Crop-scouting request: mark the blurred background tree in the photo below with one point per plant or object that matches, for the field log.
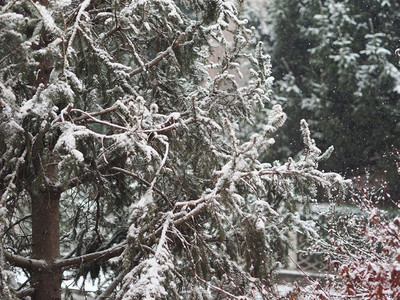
(334, 65)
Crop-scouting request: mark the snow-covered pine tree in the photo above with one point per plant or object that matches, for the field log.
(120, 152)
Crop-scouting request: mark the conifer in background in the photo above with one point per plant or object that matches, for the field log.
(334, 64)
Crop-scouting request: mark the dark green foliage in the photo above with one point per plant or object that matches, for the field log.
(334, 65)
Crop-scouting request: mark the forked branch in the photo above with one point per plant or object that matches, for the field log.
(160, 57)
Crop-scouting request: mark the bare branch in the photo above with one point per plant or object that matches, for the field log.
(102, 112)
(100, 121)
(218, 289)
(18, 221)
(23, 262)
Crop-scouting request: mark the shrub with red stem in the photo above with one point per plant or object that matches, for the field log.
(362, 249)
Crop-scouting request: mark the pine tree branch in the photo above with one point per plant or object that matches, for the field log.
(23, 262)
(90, 116)
(191, 214)
(107, 292)
(143, 181)
(105, 254)
(160, 57)
(102, 112)
(29, 263)
(91, 175)
(9, 55)
(26, 292)
(218, 289)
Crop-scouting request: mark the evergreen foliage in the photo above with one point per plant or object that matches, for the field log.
(334, 64)
(129, 114)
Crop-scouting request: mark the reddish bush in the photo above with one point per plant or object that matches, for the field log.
(362, 249)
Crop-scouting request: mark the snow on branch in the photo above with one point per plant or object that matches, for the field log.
(146, 280)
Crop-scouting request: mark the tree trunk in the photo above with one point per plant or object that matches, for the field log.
(46, 214)
(46, 244)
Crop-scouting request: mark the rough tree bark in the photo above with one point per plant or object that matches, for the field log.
(46, 244)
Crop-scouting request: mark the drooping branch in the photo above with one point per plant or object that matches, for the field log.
(83, 7)
(105, 254)
(141, 180)
(92, 174)
(106, 293)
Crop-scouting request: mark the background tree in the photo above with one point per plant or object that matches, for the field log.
(334, 64)
(117, 142)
